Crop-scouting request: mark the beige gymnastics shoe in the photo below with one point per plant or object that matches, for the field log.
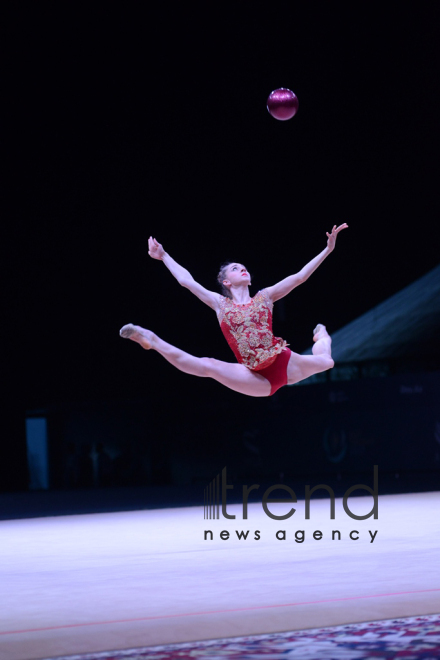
(137, 334)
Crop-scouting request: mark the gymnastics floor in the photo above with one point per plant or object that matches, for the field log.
(97, 582)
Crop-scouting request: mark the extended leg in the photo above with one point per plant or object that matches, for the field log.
(235, 376)
(304, 366)
(322, 341)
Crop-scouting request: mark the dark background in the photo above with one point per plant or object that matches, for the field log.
(124, 123)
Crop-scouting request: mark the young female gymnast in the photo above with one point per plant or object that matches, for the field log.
(265, 361)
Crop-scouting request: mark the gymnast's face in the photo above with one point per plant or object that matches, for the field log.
(236, 274)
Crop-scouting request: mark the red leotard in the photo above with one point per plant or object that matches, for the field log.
(248, 331)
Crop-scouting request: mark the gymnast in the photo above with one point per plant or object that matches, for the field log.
(265, 363)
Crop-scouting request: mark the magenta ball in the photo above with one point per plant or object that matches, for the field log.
(282, 104)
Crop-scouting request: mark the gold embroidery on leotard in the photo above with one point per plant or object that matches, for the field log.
(249, 328)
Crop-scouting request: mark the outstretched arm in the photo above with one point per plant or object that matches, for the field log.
(285, 286)
(184, 277)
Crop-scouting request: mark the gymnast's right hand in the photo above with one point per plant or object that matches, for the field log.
(155, 249)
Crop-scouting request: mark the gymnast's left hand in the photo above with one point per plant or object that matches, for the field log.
(331, 238)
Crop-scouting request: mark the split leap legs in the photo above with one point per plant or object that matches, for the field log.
(235, 376)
